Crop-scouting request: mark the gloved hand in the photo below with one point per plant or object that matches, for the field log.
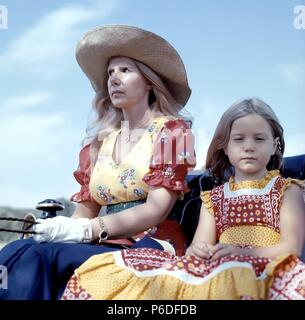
(63, 229)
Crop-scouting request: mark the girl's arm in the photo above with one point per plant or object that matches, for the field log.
(292, 226)
(139, 218)
(205, 235)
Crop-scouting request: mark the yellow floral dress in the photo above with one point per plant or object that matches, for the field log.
(161, 158)
(246, 214)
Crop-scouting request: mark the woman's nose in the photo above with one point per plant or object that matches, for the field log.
(114, 79)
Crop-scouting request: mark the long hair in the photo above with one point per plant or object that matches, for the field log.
(217, 161)
(108, 118)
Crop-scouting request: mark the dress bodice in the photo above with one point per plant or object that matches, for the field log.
(248, 212)
(161, 158)
(112, 183)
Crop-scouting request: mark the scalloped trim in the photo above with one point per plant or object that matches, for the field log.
(253, 184)
(288, 182)
(207, 201)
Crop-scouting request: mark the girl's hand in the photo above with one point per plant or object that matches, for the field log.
(221, 250)
(200, 250)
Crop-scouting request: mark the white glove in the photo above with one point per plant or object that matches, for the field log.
(63, 229)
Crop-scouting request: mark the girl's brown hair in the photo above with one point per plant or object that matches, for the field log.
(217, 161)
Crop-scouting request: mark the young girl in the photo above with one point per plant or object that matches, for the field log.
(250, 232)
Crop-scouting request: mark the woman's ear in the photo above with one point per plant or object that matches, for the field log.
(276, 144)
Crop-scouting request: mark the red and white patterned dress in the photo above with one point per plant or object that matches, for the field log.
(246, 213)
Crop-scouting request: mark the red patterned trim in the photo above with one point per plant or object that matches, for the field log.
(289, 280)
(74, 291)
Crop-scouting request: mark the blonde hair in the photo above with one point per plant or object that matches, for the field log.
(217, 161)
(108, 118)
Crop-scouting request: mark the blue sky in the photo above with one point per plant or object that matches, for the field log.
(231, 49)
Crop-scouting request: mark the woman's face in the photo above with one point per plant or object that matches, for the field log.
(127, 87)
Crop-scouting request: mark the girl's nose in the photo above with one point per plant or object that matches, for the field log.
(248, 147)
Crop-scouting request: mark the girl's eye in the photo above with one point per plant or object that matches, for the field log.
(110, 72)
(125, 69)
(260, 139)
(237, 139)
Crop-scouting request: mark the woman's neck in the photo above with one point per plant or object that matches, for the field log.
(140, 118)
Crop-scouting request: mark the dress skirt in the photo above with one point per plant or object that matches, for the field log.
(157, 275)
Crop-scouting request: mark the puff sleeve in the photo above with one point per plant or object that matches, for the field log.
(82, 176)
(173, 155)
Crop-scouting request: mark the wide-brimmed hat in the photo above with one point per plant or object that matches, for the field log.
(96, 47)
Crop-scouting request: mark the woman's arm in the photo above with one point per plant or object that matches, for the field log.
(86, 209)
(139, 218)
(292, 226)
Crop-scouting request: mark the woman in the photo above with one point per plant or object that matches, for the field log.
(137, 170)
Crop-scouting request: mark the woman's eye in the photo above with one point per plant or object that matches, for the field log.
(260, 139)
(237, 139)
(110, 72)
(125, 69)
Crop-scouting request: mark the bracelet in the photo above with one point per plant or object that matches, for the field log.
(103, 234)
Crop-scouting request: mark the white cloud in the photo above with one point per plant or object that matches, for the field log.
(206, 115)
(31, 133)
(17, 196)
(19, 103)
(52, 37)
(293, 73)
(35, 153)
(294, 144)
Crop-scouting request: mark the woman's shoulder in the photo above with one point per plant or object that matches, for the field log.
(171, 122)
(84, 154)
(175, 122)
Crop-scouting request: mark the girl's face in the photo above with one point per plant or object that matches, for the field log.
(126, 85)
(250, 146)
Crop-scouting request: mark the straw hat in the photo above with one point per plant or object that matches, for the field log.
(96, 47)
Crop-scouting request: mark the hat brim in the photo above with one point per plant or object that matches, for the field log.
(98, 46)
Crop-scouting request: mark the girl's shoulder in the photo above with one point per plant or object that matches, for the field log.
(291, 186)
(206, 195)
(283, 182)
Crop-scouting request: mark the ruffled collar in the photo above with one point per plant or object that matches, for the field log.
(253, 184)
